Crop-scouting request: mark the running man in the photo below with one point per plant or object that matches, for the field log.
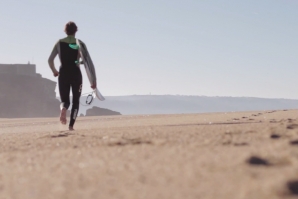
(69, 75)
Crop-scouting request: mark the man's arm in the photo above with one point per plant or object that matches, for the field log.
(51, 60)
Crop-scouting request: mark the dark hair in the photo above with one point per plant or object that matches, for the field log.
(70, 28)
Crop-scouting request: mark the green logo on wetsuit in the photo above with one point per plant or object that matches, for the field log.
(74, 46)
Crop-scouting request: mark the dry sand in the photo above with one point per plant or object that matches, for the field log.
(245, 155)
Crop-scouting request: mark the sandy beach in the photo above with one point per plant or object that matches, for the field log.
(239, 155)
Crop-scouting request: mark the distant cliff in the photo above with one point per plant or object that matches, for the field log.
(24, 93)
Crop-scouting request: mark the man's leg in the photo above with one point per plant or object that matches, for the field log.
(64, 89)
(76, 92)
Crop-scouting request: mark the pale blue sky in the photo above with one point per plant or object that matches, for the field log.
(186, 47)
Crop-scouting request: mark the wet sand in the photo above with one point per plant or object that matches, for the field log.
(241, 155)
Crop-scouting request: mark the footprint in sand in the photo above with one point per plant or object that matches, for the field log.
(294, 142)
(255, 115)
(293, 187)
(241, 144)
(275, 136)
(271, 112)
(59, 135)
(257, 161)
(124, 142)
(290, 120)
(292, 126)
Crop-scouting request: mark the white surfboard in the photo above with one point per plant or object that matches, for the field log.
(89, 67)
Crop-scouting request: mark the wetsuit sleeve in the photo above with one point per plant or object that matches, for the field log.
(54, 53)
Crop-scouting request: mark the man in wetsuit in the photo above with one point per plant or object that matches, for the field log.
(69, 73)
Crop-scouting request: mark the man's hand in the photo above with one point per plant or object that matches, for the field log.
(93, 86)
(56, 74)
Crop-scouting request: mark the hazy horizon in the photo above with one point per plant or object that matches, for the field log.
(176, 104)
(196, 48)
(178, 95)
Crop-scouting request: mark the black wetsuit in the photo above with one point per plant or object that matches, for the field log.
(70, 75)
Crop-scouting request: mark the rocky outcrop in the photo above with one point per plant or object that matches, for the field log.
(24, 93)
(96, 111)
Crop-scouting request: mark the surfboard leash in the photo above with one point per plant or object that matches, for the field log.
(89, 98)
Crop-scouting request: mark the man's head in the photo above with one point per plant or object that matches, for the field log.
(71, 28)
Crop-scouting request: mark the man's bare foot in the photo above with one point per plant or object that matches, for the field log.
(71, 128)
(63, 116)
